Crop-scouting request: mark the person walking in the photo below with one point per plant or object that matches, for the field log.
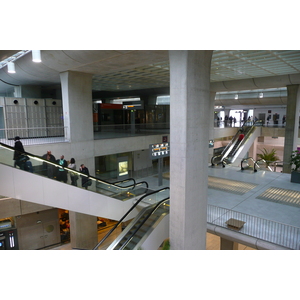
(73, 176)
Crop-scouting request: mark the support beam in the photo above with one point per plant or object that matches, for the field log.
(292, 125)
(190, 119)
(83, 231)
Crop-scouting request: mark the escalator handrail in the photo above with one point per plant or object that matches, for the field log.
(137, 183)
(247, 158)
(75, 171)
(247, 131)
(143, 222)
(241, 142)
(226, 150)
(125, 215)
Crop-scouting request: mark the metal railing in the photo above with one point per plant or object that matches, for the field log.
(126, 130)
(273, 232)
(33, 135)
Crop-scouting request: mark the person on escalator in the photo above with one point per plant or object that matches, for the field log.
(85, 181)
(49, 169)
(61, 172)
(18, 154)
(241, 136)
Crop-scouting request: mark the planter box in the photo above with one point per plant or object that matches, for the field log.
(295, 177)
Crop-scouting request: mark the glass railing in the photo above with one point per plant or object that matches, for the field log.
(121, 190)
(126, 130)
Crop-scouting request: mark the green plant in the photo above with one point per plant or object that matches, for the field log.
(295, 160)
(268, 156)
(166, 245)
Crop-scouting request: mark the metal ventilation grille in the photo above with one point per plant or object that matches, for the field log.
(282, 196)
(230, 186)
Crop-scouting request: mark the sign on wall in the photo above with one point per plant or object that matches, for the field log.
(159, 150)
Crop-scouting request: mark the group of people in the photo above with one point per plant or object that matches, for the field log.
(51, 170)
(61, 173)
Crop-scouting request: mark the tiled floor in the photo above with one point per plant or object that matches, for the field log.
(247, 203)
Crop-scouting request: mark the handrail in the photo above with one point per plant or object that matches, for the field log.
(254, 163)
(143, 222)
(125, 215)
(224, 154)
(220, 162)
(75, 171)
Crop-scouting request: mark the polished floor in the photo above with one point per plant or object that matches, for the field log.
(250, 201)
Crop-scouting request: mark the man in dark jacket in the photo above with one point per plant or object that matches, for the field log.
(19, 150)
(84, 180)
(49, 169)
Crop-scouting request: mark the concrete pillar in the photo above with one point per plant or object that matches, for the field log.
(77, 105)
(212, 123)
(292, 125)
(189, 119)
(83, 231)
(228, 245)
(78, 116)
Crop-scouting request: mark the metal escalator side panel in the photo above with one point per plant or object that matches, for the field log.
(246, 142)
(149, 216)
(150, 230)
(129, 227)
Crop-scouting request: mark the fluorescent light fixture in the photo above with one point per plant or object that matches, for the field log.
(236, 97)
(11, 67)
(36, 56)
(261, 95)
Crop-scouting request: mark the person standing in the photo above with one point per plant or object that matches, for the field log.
(18, 153)
(84, 180)
(73, 176)
(61, 172)
(48, 168)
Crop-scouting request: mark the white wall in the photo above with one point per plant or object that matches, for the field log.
(26, 186)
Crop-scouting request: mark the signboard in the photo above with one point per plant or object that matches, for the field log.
(111, 106)
(159, 150)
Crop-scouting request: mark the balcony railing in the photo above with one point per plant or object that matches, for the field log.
(270, 231)
(33, 136)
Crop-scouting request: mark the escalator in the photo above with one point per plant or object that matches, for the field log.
(121, 190)
(102, 198)
(141, 227)
(236, 145)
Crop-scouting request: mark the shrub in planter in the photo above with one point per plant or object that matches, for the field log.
(268, 156)
(295, 163)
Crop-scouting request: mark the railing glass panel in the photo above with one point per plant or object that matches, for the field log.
(121, 190)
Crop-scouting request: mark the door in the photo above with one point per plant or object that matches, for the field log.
(262, 117)
(51, 233)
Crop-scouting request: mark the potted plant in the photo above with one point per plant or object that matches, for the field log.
(295, 163)
(268, 156)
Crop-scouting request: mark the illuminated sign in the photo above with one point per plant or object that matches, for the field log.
(159, 150)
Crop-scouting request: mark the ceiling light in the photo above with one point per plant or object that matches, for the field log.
(11, 67)
(236, 97)
(261, 95)
(36, 56)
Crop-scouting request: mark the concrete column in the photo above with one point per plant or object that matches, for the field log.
(292, 125)
(189, 118)
(211, 123)
(77, 105)
(83, 231)
(228, 245)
